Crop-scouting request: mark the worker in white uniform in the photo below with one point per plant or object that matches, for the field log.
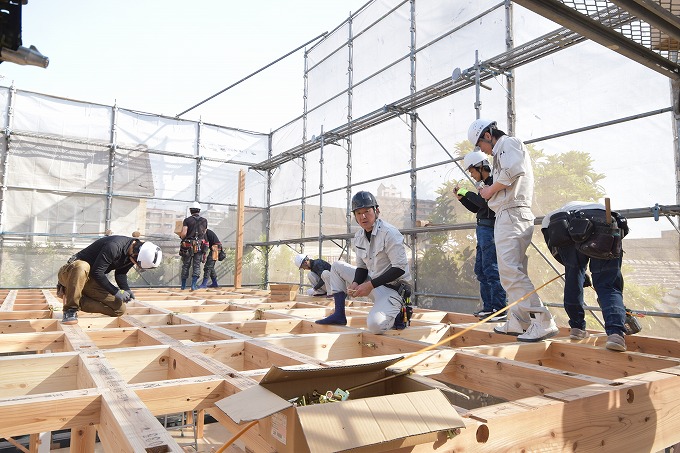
(382, 270)
(510, 197)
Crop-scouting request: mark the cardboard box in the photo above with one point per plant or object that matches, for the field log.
(179, 224)
(384, 415)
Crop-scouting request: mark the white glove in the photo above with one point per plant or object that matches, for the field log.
(310, 292)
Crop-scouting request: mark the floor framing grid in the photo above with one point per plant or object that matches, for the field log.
(179, 351)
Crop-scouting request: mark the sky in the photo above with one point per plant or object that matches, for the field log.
(165, 56)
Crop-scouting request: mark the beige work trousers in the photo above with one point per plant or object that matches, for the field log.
(513, 231)
(85, 293)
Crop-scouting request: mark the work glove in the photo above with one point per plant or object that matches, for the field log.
(123, 296)
(310, 292)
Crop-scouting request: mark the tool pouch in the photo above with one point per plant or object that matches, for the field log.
(604, 244)
(403, 319)
(631, 324)
(558, 230)
(185, 248)
(580, 229)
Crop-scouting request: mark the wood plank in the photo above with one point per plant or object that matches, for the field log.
(240, 220)
(20, 415)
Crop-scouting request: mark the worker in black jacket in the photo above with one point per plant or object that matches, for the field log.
(212, 255)
(486, 266)
(83, 282)
(193, 245)
(318, 276)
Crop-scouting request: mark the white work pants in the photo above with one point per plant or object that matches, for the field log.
(386, 301)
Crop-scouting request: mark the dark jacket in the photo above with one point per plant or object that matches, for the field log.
(105, 255)
(475, 203)
(212, 238)
(318, 266)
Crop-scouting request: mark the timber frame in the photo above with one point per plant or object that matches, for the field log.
(177, 351)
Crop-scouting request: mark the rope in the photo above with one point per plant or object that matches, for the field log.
(238, 434)
(467, 329)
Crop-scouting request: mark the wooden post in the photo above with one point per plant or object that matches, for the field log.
(607, 211)
(238, 260)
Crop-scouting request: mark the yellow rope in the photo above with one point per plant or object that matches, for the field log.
(238, 434)
(467, 329)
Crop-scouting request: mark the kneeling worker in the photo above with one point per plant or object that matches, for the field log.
(382, 271)
(319, 274)
(83, 281)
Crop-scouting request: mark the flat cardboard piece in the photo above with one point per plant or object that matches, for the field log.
(251, 404)
(372, 421)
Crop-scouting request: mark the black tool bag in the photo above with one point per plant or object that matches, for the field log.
(558, 230)
(580, 229)
(604, 243)
(403, 319)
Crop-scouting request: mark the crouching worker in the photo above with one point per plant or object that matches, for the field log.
(382, 271)
(83, 282)
(319, 274)
(576, 234)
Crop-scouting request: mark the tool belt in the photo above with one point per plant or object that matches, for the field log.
(72, 259)
(189, 247)
(403, 319)
(588, 231)
(486, 222)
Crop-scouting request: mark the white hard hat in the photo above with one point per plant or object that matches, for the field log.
(476, 129)
(474, 158)
(299, 259)
(149, 256)
(195, 205)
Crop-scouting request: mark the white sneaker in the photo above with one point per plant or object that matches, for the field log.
(513, 326)
(542, 327)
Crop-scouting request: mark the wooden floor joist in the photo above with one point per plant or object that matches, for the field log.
(179, 351)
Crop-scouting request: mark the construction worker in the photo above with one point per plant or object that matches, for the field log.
(211, 256)
(486, 266)
(605, 269)
(83, 282)
(319, 274)
(193, 245)
(510, 197)
(382, 271)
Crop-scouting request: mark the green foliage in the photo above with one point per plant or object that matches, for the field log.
(564, 177)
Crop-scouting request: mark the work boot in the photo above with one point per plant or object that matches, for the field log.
(70, 316)
(214, 283)
(542, 326)
(204, 283)
(615, 342)
(184, 284)
(194, 281)
(513, 326)
(338, 317)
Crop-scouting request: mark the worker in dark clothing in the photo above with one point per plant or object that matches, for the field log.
(486, 264)
(319, 275)
(193, 245)
(212, 255)
(83, 282)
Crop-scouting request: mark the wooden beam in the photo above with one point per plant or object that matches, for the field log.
(240, 220)
(49, 412)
